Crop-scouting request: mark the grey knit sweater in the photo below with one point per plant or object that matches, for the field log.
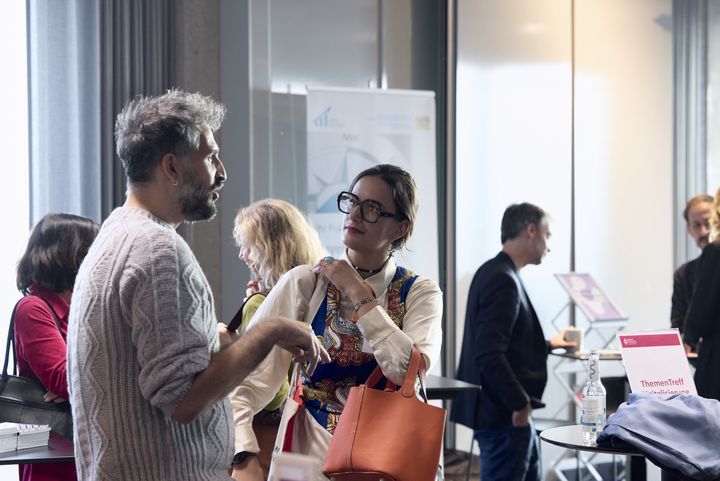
(142, 326)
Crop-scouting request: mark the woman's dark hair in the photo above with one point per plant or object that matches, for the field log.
(57, 246)
(404, 193)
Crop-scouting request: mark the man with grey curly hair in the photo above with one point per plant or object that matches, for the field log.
(176, 123)
(149, 367)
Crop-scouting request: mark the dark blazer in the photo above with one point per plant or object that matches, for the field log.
(503, 349)
(683, 284)
(704, 321)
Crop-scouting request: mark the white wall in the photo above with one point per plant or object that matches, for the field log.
(514, 144)
(513, 138)
(624, 154)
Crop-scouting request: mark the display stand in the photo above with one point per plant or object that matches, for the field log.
(604, 319)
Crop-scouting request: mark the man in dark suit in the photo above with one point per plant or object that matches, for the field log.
(697, 216)
(504, 350)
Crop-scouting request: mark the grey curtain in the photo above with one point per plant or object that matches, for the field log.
(86, 59)
(713, 101)
(690, 64)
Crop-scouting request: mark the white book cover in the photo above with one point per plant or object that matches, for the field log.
(656, 362)
(9, 428)
(8, 437)
(8, 444)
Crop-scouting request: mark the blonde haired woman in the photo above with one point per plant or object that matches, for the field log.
(273, 237)
(703, 321)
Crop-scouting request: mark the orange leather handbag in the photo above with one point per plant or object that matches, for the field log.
(387, 434)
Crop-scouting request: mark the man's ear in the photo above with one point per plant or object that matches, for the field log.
(531, 230)
(169, 168)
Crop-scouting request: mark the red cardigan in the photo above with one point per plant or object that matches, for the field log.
(42, 354)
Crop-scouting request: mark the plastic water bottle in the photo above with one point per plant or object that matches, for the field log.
(593, 401)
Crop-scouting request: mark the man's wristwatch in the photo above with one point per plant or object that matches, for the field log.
(242, 456)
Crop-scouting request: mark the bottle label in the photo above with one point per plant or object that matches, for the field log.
(593, 405)
(593, 415)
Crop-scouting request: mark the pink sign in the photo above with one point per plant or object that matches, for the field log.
(655, 362)
(650, 340)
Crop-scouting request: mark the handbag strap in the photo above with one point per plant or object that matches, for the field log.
(11, 335)
(238, 317)
(416, 368)
(297, 385)
(55, 316)
(10, 342)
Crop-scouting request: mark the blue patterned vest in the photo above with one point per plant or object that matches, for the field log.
(325, 392)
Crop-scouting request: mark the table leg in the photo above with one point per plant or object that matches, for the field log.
(578, 471)
(638, 468)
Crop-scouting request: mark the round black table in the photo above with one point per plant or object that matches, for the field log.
(446, 388)
(570, 437)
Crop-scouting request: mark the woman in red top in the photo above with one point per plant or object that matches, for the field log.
(46, 275)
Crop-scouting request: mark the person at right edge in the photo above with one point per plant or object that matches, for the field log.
(703, 319)
(697, 214)
(697, 217)
(504, 351)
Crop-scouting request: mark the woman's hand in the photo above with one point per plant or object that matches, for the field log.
(250, 470)
(299, 340)
(225, 336)
(51, 397)
(343, 276)
(252, 287)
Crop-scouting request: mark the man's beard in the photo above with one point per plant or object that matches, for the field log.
(198, 204)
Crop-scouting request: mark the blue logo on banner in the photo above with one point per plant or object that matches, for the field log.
(322, 119)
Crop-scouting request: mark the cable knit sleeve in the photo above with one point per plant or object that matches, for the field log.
(170, 308)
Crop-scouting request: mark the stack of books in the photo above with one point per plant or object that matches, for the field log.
(33, 436)
(14, 436)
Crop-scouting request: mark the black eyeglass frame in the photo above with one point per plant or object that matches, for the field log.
(362, 203)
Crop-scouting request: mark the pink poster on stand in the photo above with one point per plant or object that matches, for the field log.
(588, 296)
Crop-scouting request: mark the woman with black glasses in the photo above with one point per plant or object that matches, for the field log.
(367, 310)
